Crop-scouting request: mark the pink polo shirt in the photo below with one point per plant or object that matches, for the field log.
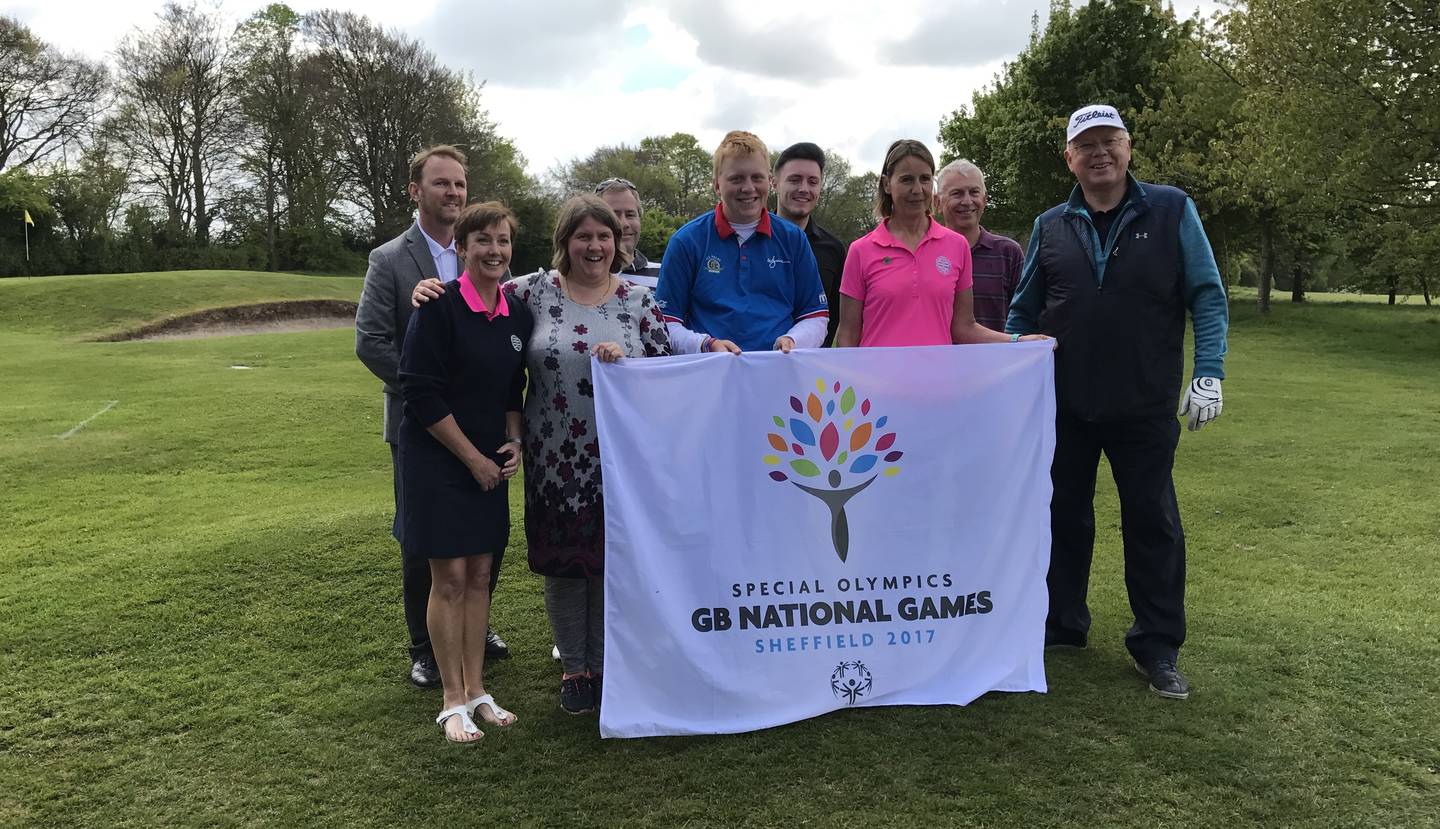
(909, 297)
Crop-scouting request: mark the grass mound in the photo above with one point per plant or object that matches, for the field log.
(254, 318)
(96, 306)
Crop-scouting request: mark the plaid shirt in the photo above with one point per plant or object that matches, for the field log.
(997, 261)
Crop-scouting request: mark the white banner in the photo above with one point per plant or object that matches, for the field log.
(787, 535)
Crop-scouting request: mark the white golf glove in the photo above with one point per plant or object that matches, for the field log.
(1201, 402)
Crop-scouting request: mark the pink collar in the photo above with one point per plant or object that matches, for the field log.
(472, 299)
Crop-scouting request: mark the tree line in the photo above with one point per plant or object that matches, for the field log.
(1308, 133)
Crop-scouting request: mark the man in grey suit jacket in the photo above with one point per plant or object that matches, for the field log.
(425, 250)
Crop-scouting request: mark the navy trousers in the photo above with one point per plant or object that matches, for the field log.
(1142, 456)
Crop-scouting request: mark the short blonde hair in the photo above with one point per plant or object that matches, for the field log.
(738, 144)
(572, 214)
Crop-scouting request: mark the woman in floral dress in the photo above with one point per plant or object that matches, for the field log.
(580, 308)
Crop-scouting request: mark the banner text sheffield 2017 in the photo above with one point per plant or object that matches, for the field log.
(788, 534)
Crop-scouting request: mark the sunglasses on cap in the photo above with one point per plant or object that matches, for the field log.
(615, 182)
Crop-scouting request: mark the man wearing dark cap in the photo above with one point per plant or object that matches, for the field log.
(798, 175)
(1110, 273)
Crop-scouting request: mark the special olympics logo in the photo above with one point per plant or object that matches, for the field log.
(832, 441)
(851, 681)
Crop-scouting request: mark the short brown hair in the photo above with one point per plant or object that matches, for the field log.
(482, 216)
(899, 151)
(572, 214)
(738, 143)
(417, 162)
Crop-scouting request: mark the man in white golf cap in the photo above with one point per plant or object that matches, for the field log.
(1110, 273)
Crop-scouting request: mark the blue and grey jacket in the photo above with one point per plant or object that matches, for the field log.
(1118, 305)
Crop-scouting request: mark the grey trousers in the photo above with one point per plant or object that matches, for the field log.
(576, 608)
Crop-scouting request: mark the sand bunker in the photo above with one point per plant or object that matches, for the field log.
(260, 318)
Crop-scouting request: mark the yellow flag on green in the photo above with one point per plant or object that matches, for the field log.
(28, 220)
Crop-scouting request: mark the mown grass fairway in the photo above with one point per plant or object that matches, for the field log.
(200, 614)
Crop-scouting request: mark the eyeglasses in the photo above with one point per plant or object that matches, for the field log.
(1109, 145)
(615, 182)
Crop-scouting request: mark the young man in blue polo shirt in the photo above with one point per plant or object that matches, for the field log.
(741, 278)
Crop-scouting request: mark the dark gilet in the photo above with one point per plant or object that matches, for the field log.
(1122, 343)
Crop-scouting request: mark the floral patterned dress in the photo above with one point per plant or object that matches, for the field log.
(564, 506)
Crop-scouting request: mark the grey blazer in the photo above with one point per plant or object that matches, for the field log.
(384, 312)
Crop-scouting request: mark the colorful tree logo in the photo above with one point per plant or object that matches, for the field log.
(832, 444)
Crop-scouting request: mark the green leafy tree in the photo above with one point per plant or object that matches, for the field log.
(88, 201)
(1112, 51)
(847, 201)
(1347, 98)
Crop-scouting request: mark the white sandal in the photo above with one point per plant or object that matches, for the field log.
(500, 714)
(463, 712)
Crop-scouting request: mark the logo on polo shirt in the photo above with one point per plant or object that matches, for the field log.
(773, 262)
(713, 264)
(942, 264)
(515, 342)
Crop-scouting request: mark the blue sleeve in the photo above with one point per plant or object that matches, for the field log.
(424, 364)
(1030, 296)
(677, 276)
(1205, 295)
(809, 296)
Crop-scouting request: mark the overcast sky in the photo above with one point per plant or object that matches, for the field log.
(566, 76)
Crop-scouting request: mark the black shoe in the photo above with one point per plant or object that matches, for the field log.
(577, 695)
(1165, 680)
(596, 681)
(495, 647)
(1065, 639)
(424, 673)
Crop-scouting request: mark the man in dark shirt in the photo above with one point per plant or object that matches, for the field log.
(798, 174)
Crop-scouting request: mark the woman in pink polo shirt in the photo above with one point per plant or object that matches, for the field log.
(908, 281)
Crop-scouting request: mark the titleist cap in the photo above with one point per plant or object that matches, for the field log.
(1094, 115)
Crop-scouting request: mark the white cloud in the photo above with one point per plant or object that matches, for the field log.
(967, 33)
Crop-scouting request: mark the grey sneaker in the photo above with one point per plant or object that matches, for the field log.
(1165, 679)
